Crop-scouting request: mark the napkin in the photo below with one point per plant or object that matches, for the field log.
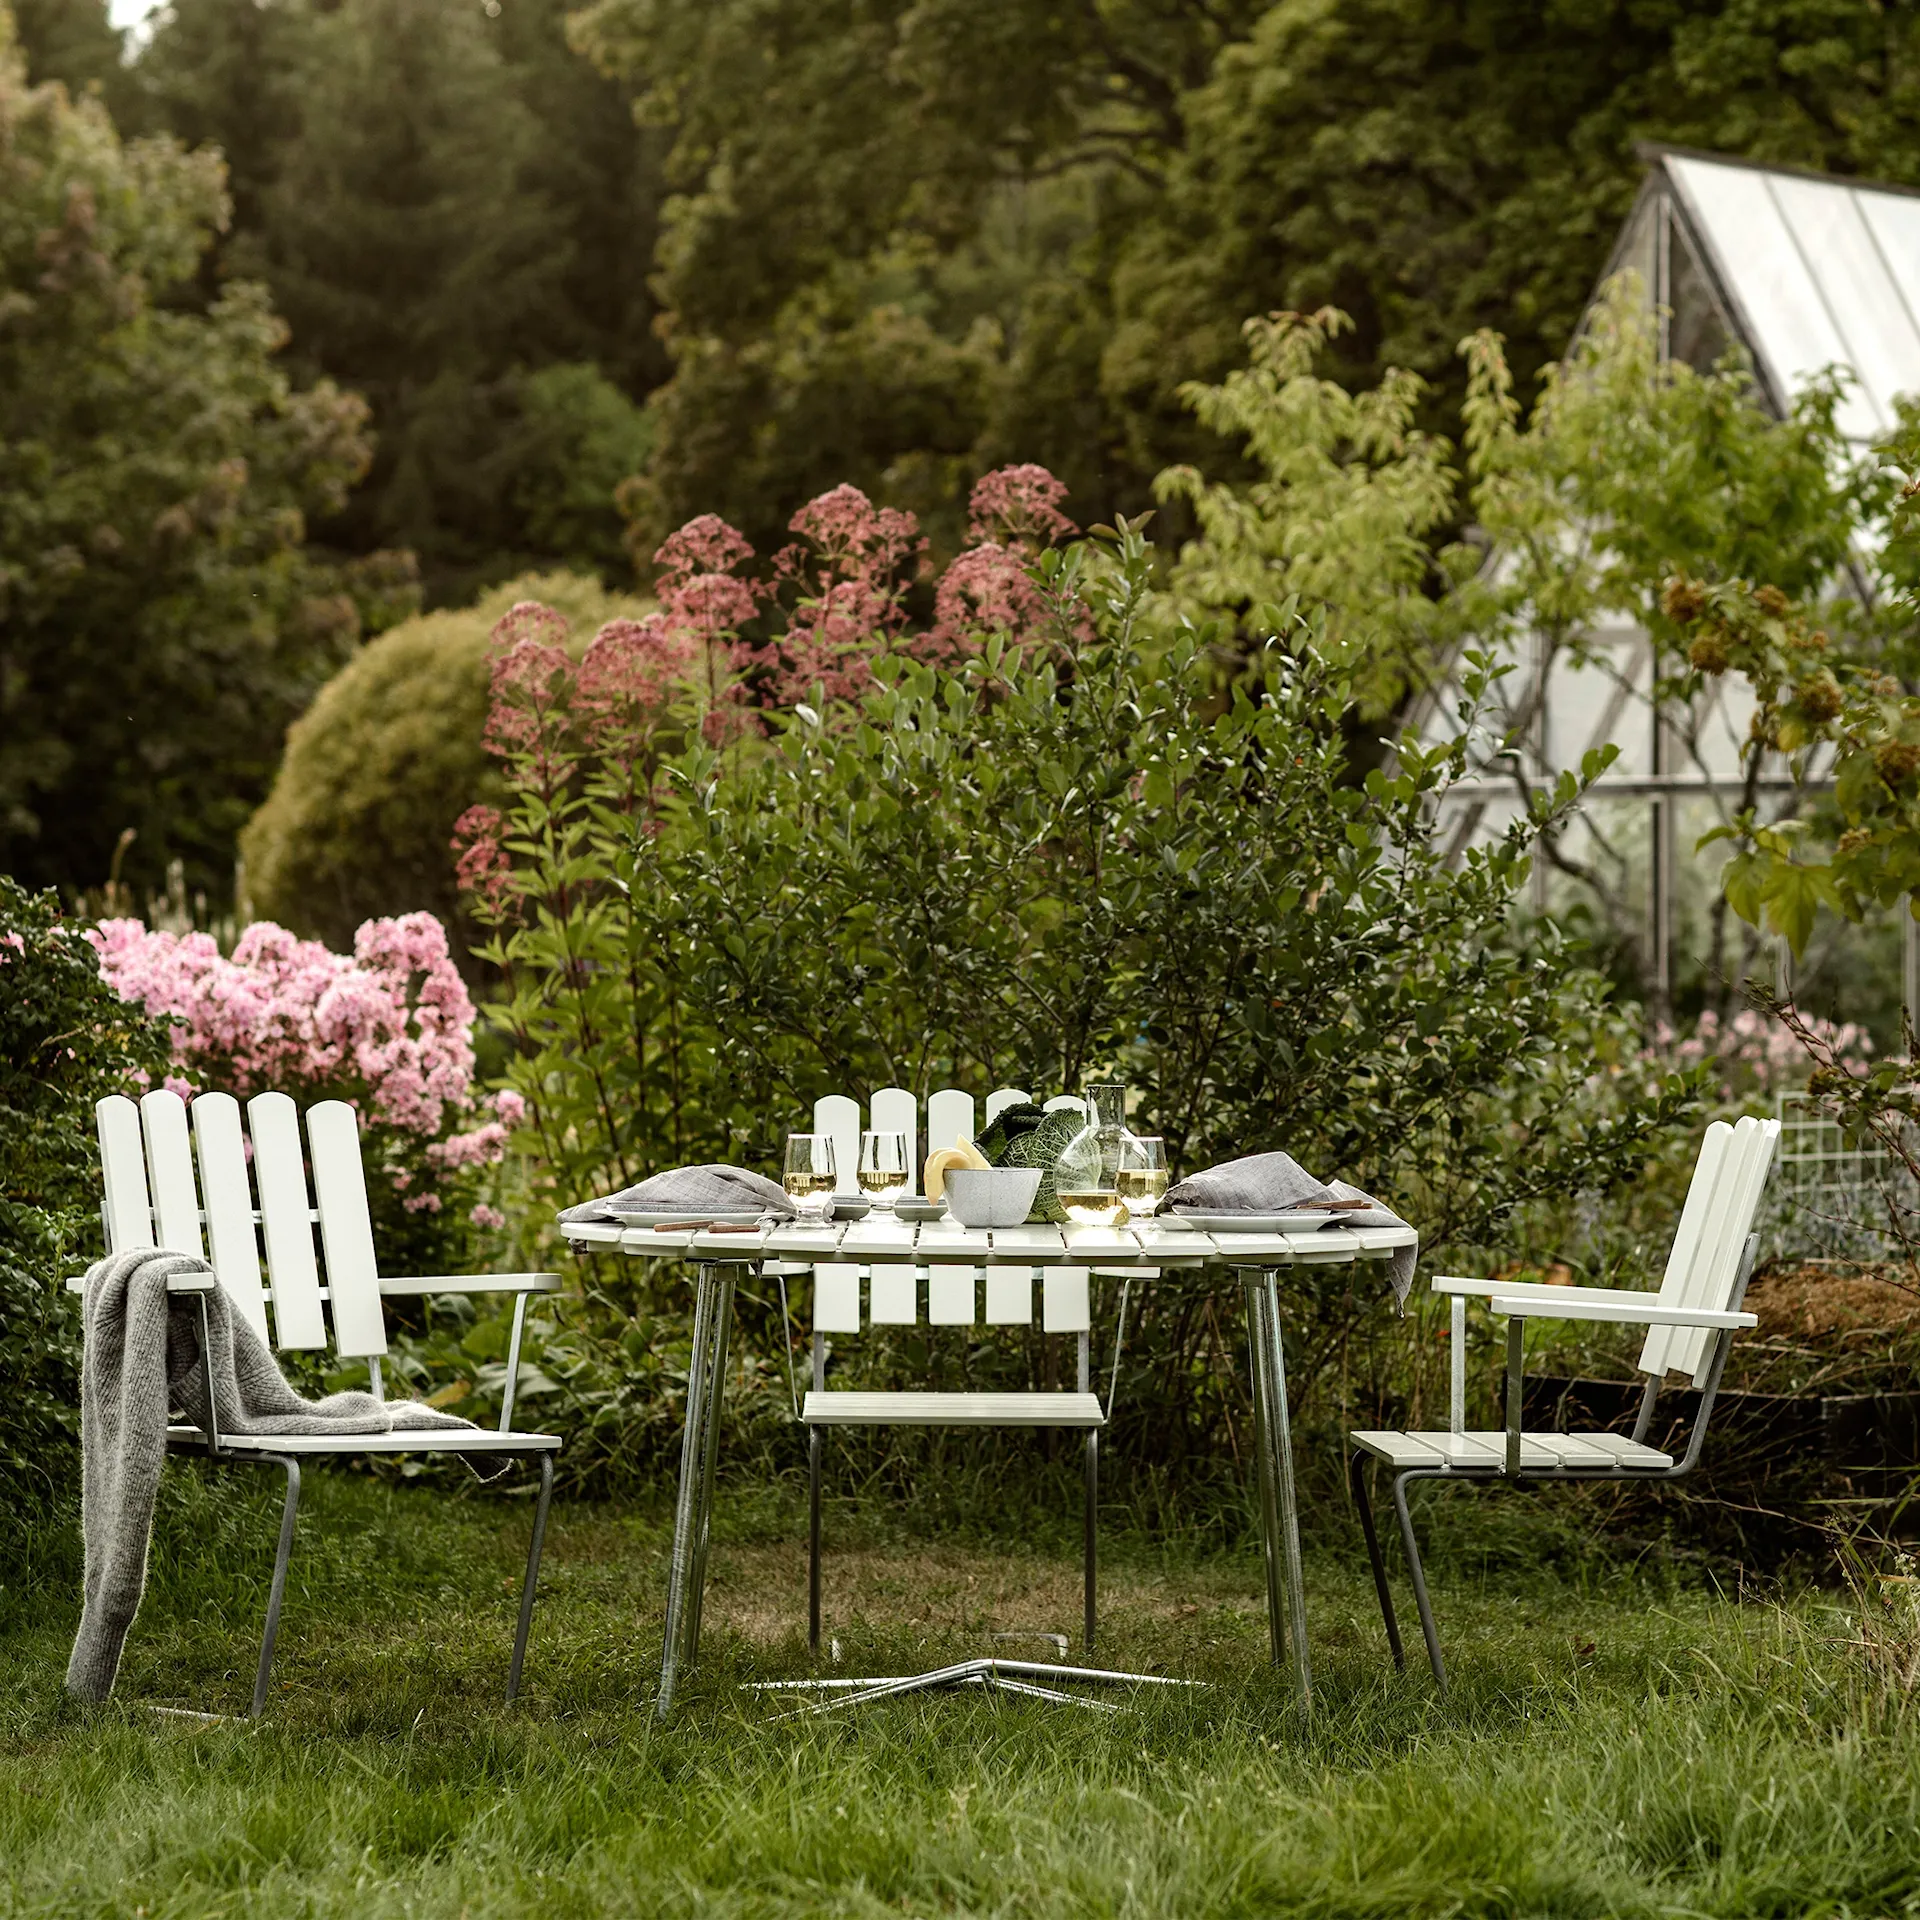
(1271, 1182)
(693, 1191)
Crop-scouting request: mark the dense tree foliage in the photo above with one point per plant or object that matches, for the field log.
(911, 240)
(161, 617)
(455, 213)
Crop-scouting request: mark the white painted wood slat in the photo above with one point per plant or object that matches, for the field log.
(346, 1230)
(1065, 1300)
(280, 1177)
(839, 1117)
(894, 1296)
(235, 1249)
(1005, 1097)
(128, 1212)
(176, 1204)
(949, 1118)
(895, 1110)
(836, 1299)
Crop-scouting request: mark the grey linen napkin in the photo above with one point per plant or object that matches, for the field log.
(1270, 1182)
(712, 1188)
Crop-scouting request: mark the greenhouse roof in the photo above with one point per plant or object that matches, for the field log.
(1806, 271)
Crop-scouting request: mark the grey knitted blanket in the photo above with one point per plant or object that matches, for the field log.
(1272, 1182)
(140, 1361)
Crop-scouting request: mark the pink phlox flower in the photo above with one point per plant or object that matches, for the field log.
(481, 865)
(422, 1203)
(985, 590)
(704, 545)
(510, 1107)
(483, 1147)
(16, 941)
(530, 684)
(854, 539)
(1018, 507)
(486, 1216)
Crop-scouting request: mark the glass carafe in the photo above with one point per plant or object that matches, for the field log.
(1084, 1177)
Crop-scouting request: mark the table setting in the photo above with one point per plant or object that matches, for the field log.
(1043, 1194)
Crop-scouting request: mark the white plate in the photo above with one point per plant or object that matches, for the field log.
(1293, 1220)
(654, 1216)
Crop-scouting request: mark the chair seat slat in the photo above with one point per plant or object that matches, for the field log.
(952, 1410)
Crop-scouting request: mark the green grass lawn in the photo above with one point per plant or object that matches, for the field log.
(1620, 1742)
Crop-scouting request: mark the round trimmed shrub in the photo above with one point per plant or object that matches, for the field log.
(387, 758)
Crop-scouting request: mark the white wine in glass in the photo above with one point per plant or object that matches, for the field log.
(1097, 1207)
(810, 1175)
(883, 1167)
(1141, 1177)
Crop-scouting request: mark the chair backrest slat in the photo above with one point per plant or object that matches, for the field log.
(176, 1205)
(949, 1118)
(1005, 1097)
(234, 1247)
(839, 1116)
(285, 1221)
(127, 1213)
(895, 1110)
(346, 1230)
(1717, 1283)
(1714, 1224)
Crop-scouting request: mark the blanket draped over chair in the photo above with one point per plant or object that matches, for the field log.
(141, 1361)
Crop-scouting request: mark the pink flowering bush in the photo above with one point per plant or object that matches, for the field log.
(1752, 1055)
(585, 945)
(388, 1028)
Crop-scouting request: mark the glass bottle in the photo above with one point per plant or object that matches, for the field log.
(1084, 1177)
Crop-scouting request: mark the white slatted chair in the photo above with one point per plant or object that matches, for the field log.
(952, 1299)
(149, 1158)
(1690, 1325)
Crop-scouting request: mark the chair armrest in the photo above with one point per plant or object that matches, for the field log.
(474, 1283)
(1536, 1290)
(1647, 1312)
(176, 1282)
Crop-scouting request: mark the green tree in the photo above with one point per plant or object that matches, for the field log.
(161, 617)
(1033, 224)
(456, 213)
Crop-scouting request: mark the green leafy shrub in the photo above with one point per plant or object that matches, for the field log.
(66, 1038)
(1044, 862)
(383, 763)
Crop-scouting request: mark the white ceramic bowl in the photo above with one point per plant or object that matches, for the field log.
(993, 1196)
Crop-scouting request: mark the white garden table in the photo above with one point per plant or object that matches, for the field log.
(1141, 1251)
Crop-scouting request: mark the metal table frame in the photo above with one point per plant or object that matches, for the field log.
(1140, 1252)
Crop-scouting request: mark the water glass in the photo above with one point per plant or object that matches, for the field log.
(883, 1172)
(811, 1175)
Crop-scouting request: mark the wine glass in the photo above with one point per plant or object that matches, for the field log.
(810, 1175)
(883, 1167)
(1141, 1175)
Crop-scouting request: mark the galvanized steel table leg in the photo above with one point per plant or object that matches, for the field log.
(719, 1335)
(686, 1510)
(1279, 1504)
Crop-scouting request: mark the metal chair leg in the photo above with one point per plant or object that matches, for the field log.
(1357, 1478)
(815, 1441)
(533, 1576)
(277, 1593)
(1093, 1534)
(1418, 1573)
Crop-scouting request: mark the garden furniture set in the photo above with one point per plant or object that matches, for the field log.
(907, 1270)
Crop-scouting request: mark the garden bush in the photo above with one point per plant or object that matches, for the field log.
(66, 1038)
(383, 763)
(1051, 842)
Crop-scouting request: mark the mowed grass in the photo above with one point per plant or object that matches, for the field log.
(1619, 1742)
